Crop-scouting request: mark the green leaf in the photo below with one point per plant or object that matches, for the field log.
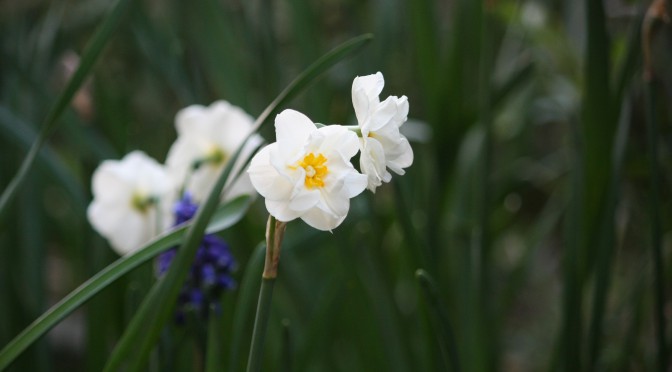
(227, 215)
(89, 58)
(213, 356)
(607, 233)
(242, 317)
(441, 324)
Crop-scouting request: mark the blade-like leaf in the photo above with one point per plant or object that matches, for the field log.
(242, 317)
(444, 332)
(227, 215)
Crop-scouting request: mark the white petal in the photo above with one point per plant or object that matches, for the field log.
(292, 130)
(190, 121)
(281, 211)
(401, 158)
(383, 115)
(137, 231)
(365, 92)
(266, 179)
(304, 200)
(181, 157)
(109, 184)
(234, 126)
(201, 181)
(321, 220)
(402, 110)
(355, 183)
(372, 162)
(338, 139)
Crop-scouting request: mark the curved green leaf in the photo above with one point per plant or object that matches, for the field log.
(226, 216)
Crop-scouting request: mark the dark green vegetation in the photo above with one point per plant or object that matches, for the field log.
(531, 232)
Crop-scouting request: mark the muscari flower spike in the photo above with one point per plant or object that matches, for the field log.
(210, 272)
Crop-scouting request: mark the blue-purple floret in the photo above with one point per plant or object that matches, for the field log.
(210, 273)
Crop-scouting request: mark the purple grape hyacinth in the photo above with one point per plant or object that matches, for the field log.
(210, 272)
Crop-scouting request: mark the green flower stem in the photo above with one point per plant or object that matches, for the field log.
(275, 231)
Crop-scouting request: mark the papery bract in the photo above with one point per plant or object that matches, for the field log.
(382, 145)
(207, 137)
(307, 173)
(131, 201)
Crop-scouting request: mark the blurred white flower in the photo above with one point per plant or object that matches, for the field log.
(131, 201)
(307, 173)
(381, 143)
(207, 137)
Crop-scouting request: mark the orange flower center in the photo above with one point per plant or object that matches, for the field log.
(315, 169)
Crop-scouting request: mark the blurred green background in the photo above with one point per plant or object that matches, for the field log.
(538, 204)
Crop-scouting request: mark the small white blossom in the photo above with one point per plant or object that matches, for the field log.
(381, 143)
(207, 137)
(131, 201)
(307, 173)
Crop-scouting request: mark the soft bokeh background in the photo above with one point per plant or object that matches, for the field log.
(535, 220)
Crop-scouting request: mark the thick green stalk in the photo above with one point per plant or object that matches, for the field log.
(274, 233)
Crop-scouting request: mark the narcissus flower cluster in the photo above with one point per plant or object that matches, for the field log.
(133, 198)
(307, 173)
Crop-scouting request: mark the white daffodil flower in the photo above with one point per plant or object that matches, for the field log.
(307, 173)
(381, 143)
(131, 201)
(207, 137)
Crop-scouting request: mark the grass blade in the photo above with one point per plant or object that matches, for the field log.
(260, 325)
(245, 305)
(213, 361)
(607, 233)
(444, 332)
(227, 215)
(655, 221)
(89, 58)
